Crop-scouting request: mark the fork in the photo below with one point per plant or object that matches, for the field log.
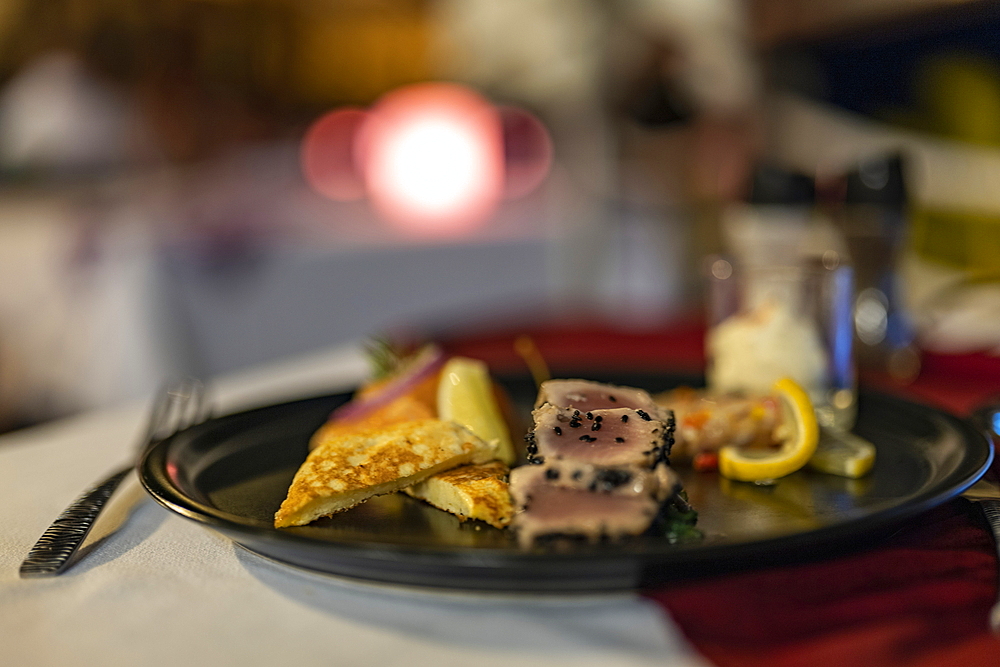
(180, 405)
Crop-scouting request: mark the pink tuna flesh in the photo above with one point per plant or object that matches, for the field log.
(586, 395)
(555, 510)
(660, 483)
(614, 437)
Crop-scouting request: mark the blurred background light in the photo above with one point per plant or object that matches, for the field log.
(432, 156)
(181, 180)
(527, 149)
(328, 163)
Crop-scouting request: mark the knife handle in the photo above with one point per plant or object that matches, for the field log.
(55, 548)
(991, 509)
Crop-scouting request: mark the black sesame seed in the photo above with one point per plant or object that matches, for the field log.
(644, 416)
(574, 424)
(611, 479)
(612, 398)
(598, 418)
(557, 430)
(596, 426)
(576, 414)
(590, 415)
(551, 473)
(619, 439)
(577, 474)
(624, 418)
(587, 438)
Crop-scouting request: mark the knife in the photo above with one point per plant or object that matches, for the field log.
(986, 492)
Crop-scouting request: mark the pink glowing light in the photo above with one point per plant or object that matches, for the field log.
(327, 156)
(432, 158)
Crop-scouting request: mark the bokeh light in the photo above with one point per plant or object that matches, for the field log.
(432, 158)
(527, 149)
(328, 162)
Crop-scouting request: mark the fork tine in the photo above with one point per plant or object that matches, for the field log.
(180, 406)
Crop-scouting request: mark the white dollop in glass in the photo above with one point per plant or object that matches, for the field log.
(775, 321)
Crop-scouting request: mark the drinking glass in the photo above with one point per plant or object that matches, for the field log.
(775, 321)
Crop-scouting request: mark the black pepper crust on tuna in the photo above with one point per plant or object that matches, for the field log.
(668, 439)
(531, 449)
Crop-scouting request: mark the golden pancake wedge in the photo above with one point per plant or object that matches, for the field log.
(346, 469)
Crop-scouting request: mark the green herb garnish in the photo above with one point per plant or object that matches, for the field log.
(384, 357)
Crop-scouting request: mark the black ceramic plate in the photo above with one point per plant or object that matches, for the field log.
(231, 474)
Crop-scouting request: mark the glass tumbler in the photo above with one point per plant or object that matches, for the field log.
(775, 321)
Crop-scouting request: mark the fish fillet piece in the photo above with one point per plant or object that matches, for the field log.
(555, 511)
(587, 395)
(562, 499)
(617, 436)
(470, 492)
(346, 469)
(660, 483)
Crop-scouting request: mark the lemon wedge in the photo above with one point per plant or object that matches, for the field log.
(842, 453)
(798, 444)
(465, 396)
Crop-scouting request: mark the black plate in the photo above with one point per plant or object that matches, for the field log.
(232, 473)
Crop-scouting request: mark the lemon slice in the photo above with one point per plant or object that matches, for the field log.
(465, 396)
(842, 453)
(798, 445)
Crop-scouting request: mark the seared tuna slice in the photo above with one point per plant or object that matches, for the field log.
(560, 512)
(573, 500)
(613, 437)
(660, 483)
(586, 395)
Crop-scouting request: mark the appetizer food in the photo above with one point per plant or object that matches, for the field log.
(708, 421)
(751, 350)
(465, 395)
(597, 472)
(798, 435)
(764, 437)
(389, 438)
(346, 469)
(568, 499)
(843, 454)
(599, 455)
(469, 492)
(405, 392)
(619, 436)
(586, 395)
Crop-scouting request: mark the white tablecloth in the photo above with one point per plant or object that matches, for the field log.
(162, 590)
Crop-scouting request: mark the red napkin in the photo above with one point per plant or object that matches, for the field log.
(920, 599)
